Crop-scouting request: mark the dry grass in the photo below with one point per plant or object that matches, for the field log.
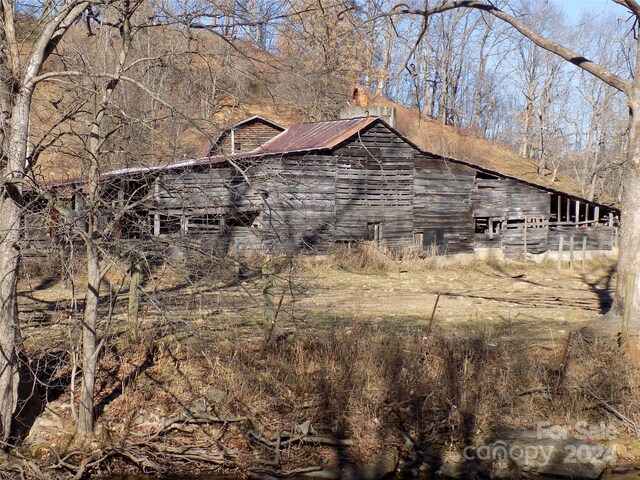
(380, 388)
(371, 257)
(382, 383)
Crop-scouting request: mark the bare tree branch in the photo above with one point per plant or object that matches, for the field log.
(617, 82)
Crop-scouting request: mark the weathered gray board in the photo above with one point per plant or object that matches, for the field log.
(442, 201)
(599, 237)
(511, 203)
(300, 201)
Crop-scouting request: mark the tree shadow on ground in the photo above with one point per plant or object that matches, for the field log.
(603, 287)
(44, 376)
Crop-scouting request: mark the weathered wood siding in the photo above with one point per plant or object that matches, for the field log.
(442, 201)
(374, 185)
(511, 202)
(300, 201)
(508, 199)
(247, 137)
(600, 237)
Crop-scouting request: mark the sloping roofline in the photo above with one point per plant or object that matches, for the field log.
(319, 136)
(208, 145)
(494, 172)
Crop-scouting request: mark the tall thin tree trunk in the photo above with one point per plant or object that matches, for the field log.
(89, 341)
(629, 261)
(10, 214)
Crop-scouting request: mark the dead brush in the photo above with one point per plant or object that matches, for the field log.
(364, 257)
(382, 388)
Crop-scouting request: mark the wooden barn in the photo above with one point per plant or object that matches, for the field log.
(315, 184)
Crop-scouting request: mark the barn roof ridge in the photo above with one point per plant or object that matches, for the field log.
(310, 137)
(208, 144)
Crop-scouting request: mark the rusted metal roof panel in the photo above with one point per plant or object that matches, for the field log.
(305, 137)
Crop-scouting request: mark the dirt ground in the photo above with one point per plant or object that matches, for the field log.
(536, 302)
(530, 301)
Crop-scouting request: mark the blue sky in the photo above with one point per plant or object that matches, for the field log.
(575, 8)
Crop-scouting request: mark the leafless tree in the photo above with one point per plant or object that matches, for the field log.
(629, 264)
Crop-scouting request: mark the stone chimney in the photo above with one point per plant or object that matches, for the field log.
(388, 114)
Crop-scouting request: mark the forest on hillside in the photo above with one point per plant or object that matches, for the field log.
(195, 68)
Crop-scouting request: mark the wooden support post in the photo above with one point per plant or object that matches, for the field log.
(156, 216)
(525, 238)
(559, 219)
(596, 214)
(586, 213)
(490, 229)
(577, 212)
(568, 210)
(571, 252)
(611, 219)
(560, 252)
(629, 288)
(236, 259)
(584, 252)
(134, 301)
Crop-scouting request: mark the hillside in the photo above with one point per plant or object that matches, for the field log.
(432, 136)
(219, 86)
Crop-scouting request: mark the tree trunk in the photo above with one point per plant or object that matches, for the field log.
(89, 342)
(10, 214)
(629, 260)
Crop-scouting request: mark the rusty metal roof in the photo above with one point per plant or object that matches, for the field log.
(305, 137)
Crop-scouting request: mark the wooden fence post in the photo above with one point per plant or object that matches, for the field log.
(584, 252)
(560, 247)
(433, 314)
(571, 252)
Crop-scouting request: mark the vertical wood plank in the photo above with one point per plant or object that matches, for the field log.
(584, 252)
(525, 236)
(577, 212)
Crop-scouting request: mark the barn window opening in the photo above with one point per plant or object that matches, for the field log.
(486, 176)
(482, 225)
(515, 223)
(374, 231)
(241, 219)
(418, 238)
(169, 224)
(433, 240)
(204, 224)
(487, 225)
